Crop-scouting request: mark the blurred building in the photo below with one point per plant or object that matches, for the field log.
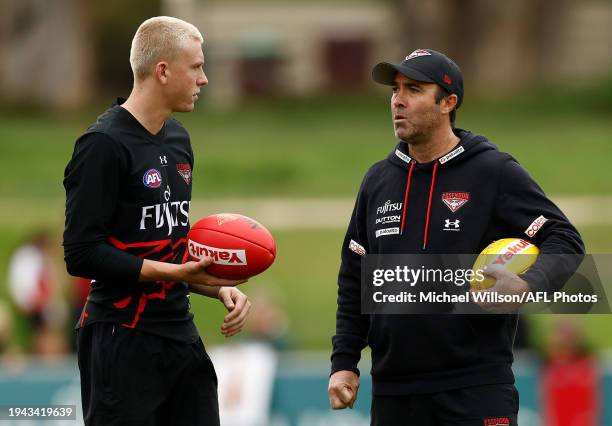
(275, 48)
(45, 54)
(502, 46)
(63, 53)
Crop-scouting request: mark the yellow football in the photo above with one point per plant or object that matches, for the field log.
(514, 254)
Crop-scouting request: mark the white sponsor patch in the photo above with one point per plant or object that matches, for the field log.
(357, 248)
(535, 226)
(388, 207)
(451, 155)
(387, 231)
(402, 156)
(385, 220)
(220, 256)
(417, 53)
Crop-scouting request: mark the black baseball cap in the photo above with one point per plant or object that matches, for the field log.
(424, 65)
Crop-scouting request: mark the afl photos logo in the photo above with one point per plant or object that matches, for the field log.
(152, 178)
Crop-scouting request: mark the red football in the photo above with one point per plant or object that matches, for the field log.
(240, 246)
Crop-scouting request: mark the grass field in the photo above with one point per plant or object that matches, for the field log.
(318, 148)
(322, 147)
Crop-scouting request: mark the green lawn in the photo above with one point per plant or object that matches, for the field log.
(304, 280)
(322, 147)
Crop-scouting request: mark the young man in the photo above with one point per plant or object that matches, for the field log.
(128, 191)
(440, 369)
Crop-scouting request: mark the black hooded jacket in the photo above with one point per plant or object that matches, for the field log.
(482, 195)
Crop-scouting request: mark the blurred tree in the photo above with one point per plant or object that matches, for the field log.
(544, 30)
(113, 25)
(501, 43)
(53, 53)
(44, 53)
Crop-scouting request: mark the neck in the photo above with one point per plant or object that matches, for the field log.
(147, 106)
(435, 146)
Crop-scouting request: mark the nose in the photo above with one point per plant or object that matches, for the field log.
(398, 101)
(202, 80)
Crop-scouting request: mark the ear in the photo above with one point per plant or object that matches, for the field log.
(162, 72)
(448, 103)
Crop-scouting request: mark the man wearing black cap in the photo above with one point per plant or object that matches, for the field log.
(441, 190)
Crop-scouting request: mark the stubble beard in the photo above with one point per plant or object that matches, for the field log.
(417, 134)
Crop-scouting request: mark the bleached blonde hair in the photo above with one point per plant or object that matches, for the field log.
(158, 39)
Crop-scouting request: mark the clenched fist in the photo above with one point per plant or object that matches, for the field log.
(342, 390)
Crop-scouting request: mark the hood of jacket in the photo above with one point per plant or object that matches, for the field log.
(469, 145)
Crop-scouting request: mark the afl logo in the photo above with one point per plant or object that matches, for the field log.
(152, 178)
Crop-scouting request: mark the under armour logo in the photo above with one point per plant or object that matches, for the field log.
(162, 159)
(454, 223)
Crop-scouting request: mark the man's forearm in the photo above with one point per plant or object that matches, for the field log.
(188, 272)
(159, 271)
(205, 290)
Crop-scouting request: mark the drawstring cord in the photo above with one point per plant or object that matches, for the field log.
(406, 194)
(431, 189)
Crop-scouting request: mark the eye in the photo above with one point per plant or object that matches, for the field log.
(394, 89)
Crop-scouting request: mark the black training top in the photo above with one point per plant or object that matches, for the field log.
(128, 194)
(479, 194)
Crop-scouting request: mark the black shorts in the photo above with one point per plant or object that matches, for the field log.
(134, 378)
(488, 405)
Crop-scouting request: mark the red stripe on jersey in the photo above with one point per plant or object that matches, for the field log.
(144, 298)
(166, 257)
(84, 315)
(173, 254)
(157, 245)
(123, 303)
(185, 256)
(165, 285)
(179, 242)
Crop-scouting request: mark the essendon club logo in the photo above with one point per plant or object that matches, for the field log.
(219, 256)
(417, 53)
(185, 171)
(152, 178)
(455, 200)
